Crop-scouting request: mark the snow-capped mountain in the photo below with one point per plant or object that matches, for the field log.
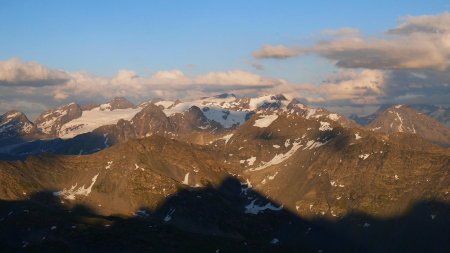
(15, 125)
(403, 119)
(201, 121)
(104, 114)
(51, 121)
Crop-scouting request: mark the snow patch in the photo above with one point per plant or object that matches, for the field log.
(169, 215)
(72, 192)
(275, 241)
(364, 156)
(287, 143)
(226, 138)
(186, 179)
(333, 116)
(325, 126)
(265, 120)
(108, 166)
(279, 158)
(250, 161)
(313, 144)
(253, 208)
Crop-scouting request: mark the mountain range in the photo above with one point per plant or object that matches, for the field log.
(258, 174)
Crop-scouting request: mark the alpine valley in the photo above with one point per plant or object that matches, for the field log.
(224, 174)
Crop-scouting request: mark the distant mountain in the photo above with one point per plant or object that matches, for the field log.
(51, 121)
(86, 130)
(16, 127)
(440, 113)
(403, 119)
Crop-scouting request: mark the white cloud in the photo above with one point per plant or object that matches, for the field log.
(278, 52)
(347, 87)
(35, 82)
(14, 72)
(421, 42)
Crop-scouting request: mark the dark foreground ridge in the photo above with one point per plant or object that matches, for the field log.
(210, 219)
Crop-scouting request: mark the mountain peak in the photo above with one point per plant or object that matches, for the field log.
(404, 119)
(225, 95)
(49, 122)
(14, 123)
(117, 103)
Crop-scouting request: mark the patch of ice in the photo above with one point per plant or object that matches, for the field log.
(276, 146)
(357, 136)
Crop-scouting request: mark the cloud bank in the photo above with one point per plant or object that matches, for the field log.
(42, 87)
(409, 63)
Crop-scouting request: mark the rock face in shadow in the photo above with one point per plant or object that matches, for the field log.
(215, 219)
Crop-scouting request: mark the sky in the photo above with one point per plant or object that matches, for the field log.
(338, 54)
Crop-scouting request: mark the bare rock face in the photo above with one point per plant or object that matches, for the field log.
(403, 119)
(14, 124)
(192, 120)
(50, 122)
(151, 119)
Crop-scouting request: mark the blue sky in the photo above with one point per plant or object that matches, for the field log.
(102, 37)
(56, 52)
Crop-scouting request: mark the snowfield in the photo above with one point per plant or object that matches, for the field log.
(93, 119)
